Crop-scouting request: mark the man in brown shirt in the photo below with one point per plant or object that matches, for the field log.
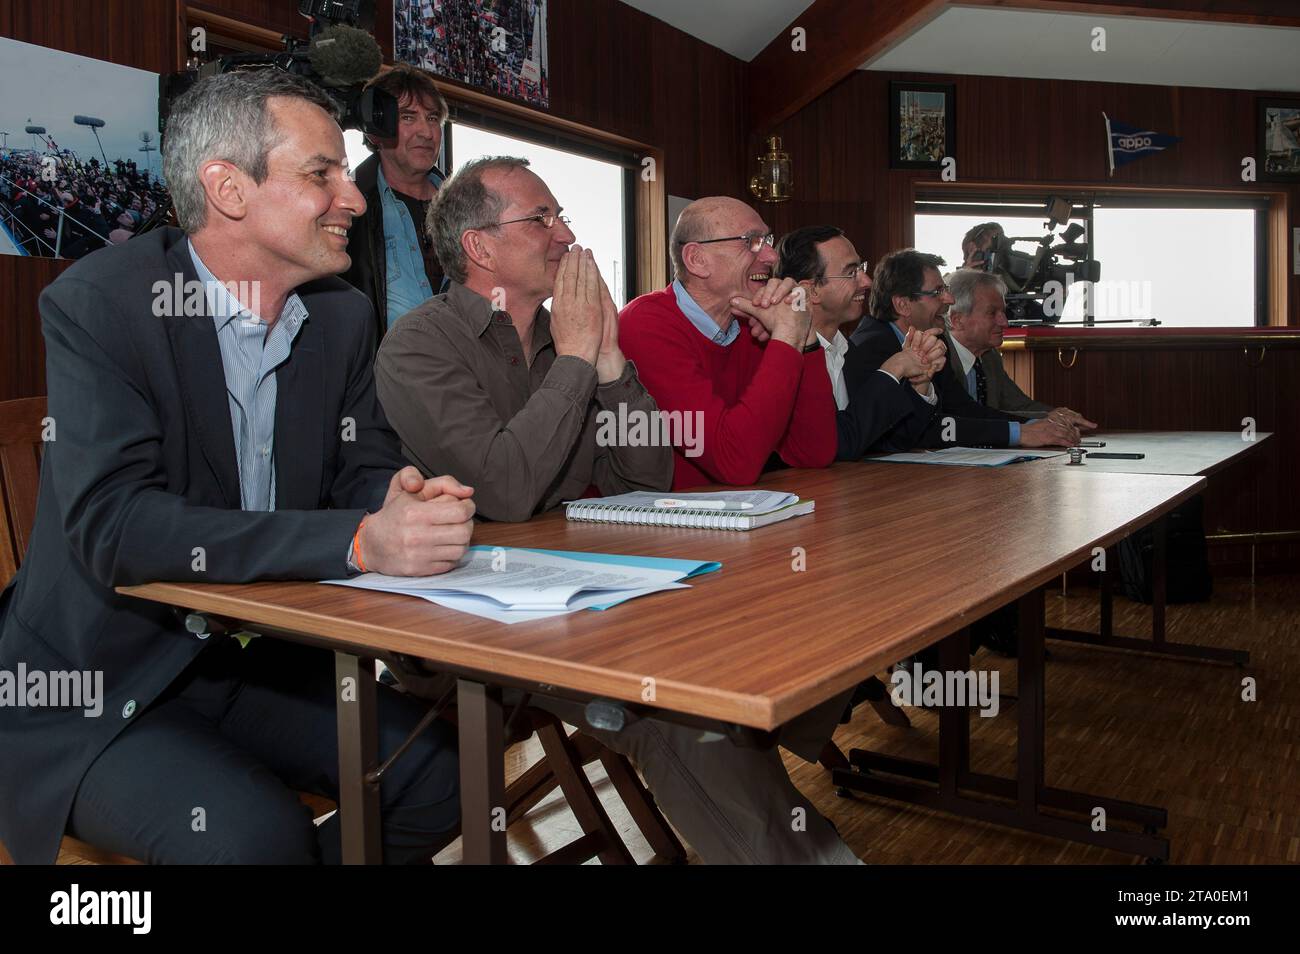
(485, 382)
(486, 378)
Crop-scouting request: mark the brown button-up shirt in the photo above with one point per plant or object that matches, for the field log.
(456, 386)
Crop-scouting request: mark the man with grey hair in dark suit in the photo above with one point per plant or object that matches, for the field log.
(216, 421)
(977, 321)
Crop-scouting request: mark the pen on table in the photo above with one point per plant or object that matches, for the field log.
(670, 504)
(1091, 444)
(1117, 456)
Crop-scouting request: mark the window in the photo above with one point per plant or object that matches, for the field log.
(1184, 267)
(1185, 261)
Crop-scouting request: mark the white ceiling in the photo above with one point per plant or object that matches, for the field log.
(741, 27)
(1027, 43)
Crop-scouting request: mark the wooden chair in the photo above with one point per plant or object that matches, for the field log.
(561, 766)
(565, 756)
(20, 468)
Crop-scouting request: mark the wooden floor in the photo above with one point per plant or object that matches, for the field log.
(1156, 730)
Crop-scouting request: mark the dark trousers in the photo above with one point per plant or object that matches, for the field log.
(208, 773)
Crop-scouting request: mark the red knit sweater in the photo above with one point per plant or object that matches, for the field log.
(756, 398)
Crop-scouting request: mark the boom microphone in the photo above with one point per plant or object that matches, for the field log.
(344, 56)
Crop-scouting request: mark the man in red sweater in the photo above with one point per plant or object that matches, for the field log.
(759, 393)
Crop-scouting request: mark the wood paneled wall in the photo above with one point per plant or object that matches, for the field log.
(1008, 131)
(612, 68)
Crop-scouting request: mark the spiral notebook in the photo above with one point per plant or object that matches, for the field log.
(719, 510)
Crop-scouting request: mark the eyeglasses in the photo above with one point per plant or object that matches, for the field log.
(862, 268)
(548, 220)
(931, 292)
(756, 240)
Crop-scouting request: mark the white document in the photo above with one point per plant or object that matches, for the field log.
(489, 609)
(519, 580)
(969, 456)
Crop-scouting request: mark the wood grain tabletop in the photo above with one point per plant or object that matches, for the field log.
(895, 557)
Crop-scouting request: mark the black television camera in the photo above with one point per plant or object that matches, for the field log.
(339, 56)
(1039, 282)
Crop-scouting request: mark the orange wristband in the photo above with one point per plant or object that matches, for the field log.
(356, 547)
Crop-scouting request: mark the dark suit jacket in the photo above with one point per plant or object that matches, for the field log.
(883, 416)
(959, 418)
(1003, 394)
(140, 474)
(368, 271)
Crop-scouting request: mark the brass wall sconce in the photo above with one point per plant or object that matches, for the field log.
(773, 182)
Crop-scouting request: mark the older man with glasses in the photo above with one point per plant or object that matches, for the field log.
(761, 394)
(485, 376)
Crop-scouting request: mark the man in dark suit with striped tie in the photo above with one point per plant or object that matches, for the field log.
(977, 322)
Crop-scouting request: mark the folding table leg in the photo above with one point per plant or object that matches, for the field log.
(954, 720)
(358, 733)
(1159, 586)
(1030, 742)
(1159, 579)
(482, 773)
(1020, 800)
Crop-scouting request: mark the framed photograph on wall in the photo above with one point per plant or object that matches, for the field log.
(922, 124)
(498, 46)
(79, 161)
(1278, 140)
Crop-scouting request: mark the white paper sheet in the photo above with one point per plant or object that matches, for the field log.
(968, 456)
(488, 609)
(520, 580)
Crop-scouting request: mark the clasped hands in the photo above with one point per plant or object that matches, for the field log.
(584, 319)
(778, 311)
(423, 528)
(923, 355)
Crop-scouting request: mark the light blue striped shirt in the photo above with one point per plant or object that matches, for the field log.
(249, 358)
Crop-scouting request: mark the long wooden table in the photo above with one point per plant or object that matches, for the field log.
(896, 558)
(1185, 453)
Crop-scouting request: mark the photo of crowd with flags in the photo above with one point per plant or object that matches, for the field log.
(79, 162)
(921, 127)
(495, 45)
(83, 207)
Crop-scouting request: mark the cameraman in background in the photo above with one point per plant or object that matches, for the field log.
(977, 244)
(393, 262)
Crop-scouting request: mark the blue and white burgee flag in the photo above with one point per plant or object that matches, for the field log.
(1124, 143)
